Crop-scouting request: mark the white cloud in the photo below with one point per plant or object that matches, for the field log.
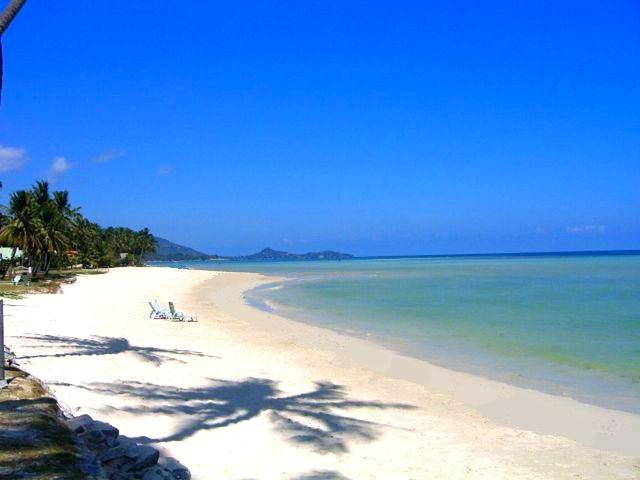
(109, 155)
(586, 229)
(59, 165)
(12, 158)
(164, 170)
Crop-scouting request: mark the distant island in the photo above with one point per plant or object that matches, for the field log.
(170, 251)
(270, 254)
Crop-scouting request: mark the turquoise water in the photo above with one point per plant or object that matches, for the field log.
(569, 325)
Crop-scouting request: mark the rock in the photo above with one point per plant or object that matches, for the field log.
(89, 464)
(117, 476)
(91, 469)
(9, 357)
(179, 471)
(112, 442)
(157, 473)
(80, 424)
(95, 437)
(121, 458)
(109, 431)
(143, 457)
(113, 453)
(119, 464)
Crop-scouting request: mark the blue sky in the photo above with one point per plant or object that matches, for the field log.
(387, 127)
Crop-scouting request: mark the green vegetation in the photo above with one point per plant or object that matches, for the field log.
(167, 251)
(51, 234)
(50, 283)
(270, 254)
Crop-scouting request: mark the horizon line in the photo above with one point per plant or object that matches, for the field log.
(614, 252)
(528, 253)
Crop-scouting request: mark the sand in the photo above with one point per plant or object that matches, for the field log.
(244, 394)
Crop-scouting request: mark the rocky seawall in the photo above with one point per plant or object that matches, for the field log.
(116, 457)
(33, 424)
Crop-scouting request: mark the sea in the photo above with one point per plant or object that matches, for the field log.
(564, 323)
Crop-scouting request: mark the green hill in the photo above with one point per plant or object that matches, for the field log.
(270, 254)
(167, 250)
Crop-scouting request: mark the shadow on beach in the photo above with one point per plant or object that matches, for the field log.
(97, 345)
(317, 475)
(315, 419)
(321, 475)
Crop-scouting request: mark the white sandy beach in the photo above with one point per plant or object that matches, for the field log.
(244, 394)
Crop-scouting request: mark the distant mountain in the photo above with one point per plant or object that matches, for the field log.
(270, 254)
(167, 250)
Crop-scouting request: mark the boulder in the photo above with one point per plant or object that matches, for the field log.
(80, 424)
(9, 357)
(95, 437)
(89, 464)
(179, 471)
(117, 476)
(143, 457)
(157, 473)
(113, 453)
(118, 464)
(109, 431)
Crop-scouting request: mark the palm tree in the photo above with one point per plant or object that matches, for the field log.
(9, 13)
(24, 229)
(61, 199)
(6, 17)
(144, 243)
(40, 224)
(57, 218)
(40, 192)
(54, 238)
(44, 226)
(86, 238)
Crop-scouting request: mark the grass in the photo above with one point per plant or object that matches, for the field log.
(44, 284)
(35, 443)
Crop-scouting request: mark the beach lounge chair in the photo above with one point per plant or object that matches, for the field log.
(179, 316)
(158, 311)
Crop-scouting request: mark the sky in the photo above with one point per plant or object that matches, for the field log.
(375, 128)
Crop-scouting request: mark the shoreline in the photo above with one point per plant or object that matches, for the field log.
(609, 429)
(248, 394)
(492, 369)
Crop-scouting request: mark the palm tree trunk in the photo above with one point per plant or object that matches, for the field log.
(34, 262)
(45, 261)
(9, 13)
(48, 265)
(6, 17)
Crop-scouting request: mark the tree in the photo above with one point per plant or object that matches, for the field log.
(86, 239)
(24, 229)
(145, 243)
(57, 217)
(51, 232)
(6, 17)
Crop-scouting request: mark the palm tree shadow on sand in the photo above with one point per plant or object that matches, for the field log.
(321, 475)
(318, 475)
(98, 345)
(315, 418)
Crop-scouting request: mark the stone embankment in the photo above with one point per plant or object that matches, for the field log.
(117, 457)
(98, 451)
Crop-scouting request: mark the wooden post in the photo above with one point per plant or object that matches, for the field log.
(3, 381)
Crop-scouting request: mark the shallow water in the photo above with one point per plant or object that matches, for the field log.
(569, 324)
